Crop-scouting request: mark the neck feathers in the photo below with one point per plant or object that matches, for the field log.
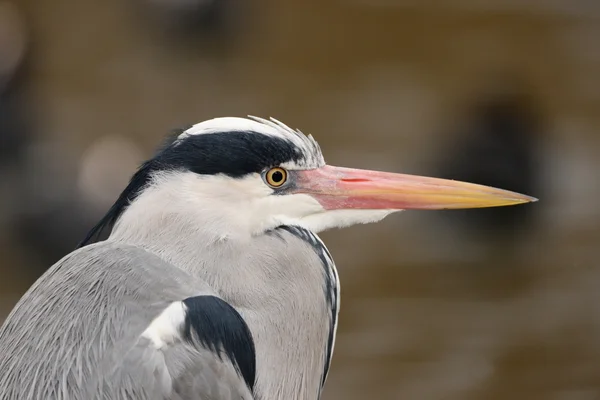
(283, 283)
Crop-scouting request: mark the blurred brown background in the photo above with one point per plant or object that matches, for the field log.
(490, 304)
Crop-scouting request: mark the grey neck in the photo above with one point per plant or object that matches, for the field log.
(275, 280)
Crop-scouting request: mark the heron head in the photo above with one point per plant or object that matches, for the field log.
(248, 176)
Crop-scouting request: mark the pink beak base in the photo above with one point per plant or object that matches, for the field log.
(346, 188)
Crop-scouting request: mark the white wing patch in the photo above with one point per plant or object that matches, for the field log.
(166, 329)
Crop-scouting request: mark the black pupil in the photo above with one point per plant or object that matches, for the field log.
(277, 176)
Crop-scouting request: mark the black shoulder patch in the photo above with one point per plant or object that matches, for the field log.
(221, 329)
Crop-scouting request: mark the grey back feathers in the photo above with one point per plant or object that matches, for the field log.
(82, 332)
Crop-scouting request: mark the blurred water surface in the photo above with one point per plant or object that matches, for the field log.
(430, 310)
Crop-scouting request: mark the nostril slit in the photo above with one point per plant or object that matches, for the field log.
(354, 180)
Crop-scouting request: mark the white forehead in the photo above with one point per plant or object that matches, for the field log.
(272, 127)
(225, 124)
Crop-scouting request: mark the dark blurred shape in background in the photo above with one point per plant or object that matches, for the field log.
(191, 16)
(46, 215)
(52, 216)
(89, 88)
(496, 145)
(15, 129)
(195, 25)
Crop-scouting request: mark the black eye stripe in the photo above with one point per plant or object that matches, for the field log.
(231, 153)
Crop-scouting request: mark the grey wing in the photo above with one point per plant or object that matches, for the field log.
(112, 321)
(198, 348)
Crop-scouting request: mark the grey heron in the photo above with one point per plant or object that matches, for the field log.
(213, 283)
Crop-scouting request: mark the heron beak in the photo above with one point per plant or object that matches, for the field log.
(345, 188)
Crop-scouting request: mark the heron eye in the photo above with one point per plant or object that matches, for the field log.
(276, 177)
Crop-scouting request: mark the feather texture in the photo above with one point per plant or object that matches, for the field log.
(81, 332)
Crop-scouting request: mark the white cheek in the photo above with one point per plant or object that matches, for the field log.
(295, 205)
(289, 209)
(234, 190)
